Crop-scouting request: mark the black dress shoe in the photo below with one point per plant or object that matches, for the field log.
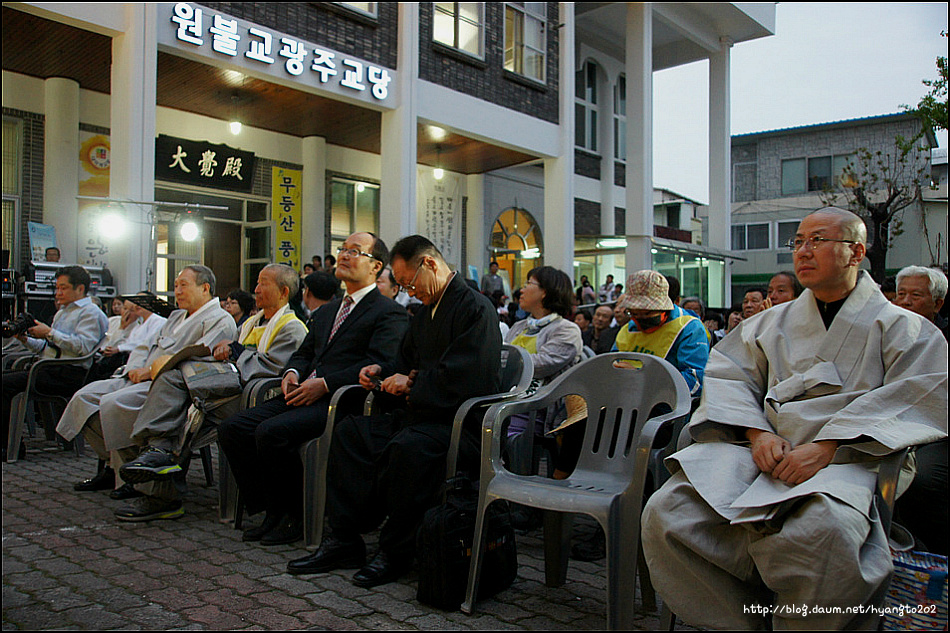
(290, 530)
(332, 554)
(382, 570)
(270, 522)
(125, 491)
(104, 480)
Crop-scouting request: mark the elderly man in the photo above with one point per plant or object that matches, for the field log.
(105, 411)
(923, 290)
(392, 466)
(783, 287)
(77, 328)
(265, 345)
(777, 495)
(346, 334)
(923, 508)
(755, 300)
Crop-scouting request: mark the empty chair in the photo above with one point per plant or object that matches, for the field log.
(608, 481)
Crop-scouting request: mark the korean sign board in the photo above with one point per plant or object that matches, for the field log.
(286, 211)
(199, 31)
(204, 164)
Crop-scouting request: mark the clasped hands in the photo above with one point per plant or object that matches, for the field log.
(396, 385)
(775, 456)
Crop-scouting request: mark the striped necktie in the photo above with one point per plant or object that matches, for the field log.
(344, 312)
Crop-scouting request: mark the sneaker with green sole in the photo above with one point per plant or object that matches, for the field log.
(149, 509)
(154, 463)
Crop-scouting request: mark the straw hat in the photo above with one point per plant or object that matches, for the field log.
(646, 290)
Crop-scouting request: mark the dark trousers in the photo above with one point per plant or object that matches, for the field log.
(262, 445)
(382, 466)
(923, 508)
(53, 381)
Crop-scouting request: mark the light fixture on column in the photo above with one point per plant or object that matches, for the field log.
(438, 172)
(111, 222)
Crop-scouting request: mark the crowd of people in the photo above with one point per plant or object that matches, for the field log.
(798, 388)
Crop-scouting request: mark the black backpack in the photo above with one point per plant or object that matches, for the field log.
(444, 548)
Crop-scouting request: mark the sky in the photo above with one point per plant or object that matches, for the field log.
(826, 62)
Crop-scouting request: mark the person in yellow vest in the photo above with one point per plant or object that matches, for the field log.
(265, 344)
(659, 327)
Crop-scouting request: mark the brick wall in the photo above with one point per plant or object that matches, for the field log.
(586, 217)
(487, 79)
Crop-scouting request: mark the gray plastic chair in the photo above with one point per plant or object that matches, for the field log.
(608, 481)
(516, 374)
(51, 406)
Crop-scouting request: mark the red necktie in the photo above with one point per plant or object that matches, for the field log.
(347, 306)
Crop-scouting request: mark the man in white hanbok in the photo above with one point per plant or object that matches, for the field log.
(773, 504)
(199, 320)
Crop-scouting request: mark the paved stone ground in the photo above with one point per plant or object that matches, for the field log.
(68, 564)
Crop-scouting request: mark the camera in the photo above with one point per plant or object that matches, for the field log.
(19, 325)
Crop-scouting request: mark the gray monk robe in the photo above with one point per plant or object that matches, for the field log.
(721, 536)
(118, 400)
(267, 349)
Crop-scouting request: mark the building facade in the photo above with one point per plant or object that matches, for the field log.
(780, 176)
(154, 135)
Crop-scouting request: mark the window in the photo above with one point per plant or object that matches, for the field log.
(366, 8)
(818, 173)
(585, 107)
(786, 231)
(620, 119)
(750, 237)
(459, 25)
(354, 207)
(11, 190)
(525, 38)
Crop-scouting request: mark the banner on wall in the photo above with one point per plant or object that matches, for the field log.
(286, 211)
(203, 164)
(440, 213)
(94, 156)
(42, 236)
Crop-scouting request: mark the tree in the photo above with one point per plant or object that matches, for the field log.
(878, 186)
(932, 109)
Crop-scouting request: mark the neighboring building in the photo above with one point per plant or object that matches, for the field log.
(279, 128)
(779, 176)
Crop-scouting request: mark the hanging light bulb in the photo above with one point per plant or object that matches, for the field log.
(189, 231)
(235, 127)
(438, 172)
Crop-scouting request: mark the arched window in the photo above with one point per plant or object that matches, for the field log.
(516, 244)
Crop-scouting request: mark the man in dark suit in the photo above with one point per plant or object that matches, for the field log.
(391, 466)
(344, 335)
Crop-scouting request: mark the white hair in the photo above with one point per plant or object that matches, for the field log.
(936, 280)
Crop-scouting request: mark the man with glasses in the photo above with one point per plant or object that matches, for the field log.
(345, 335)
(392, 466)
(774, 503)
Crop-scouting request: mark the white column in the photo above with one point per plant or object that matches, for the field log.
(475, 224)
(720, 156)
(313, 222)
(639, 64)
(606, 132)
(398, 143)
(559, 171)
(132, 140)
(61, 163)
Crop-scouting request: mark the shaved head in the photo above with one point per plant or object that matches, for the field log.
(852, 227)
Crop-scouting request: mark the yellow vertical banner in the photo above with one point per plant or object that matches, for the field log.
(286, 202)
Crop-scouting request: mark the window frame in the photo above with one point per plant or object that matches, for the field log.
(519, 44)
(837, 164)
(745, 236)
(586, 108)
(620, 119)
(456, 19)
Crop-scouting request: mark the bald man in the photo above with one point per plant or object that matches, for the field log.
(773, 504)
